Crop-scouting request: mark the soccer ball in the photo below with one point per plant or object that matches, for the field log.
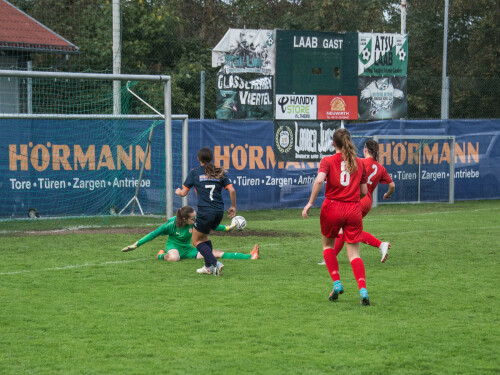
(240, 222)
(402, 55)
(366, 54)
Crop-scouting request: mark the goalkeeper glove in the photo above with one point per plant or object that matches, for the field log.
(230, 227)
(130, 247)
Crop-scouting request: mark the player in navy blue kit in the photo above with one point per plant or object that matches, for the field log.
(208, 181)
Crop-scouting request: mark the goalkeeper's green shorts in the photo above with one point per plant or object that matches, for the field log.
(186, 251)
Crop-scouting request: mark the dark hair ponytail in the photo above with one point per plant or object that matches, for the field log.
(372, 147)
(182, 214)
(205, 156)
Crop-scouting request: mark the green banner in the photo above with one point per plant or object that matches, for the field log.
(243, 97)
(382, 54)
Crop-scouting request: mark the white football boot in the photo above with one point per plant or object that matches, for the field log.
(384, 248)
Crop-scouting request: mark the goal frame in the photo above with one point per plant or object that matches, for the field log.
(451, 190)
(167, 115)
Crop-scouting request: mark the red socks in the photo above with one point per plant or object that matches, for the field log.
(358, 269)
(339, 244)
(370, 240)
(331, 263)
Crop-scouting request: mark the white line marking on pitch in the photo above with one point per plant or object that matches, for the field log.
(75, 229)
(75, 266)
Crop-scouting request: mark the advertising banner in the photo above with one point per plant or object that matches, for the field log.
(81, 167)
(477, 175)
(55, 165)
(382, 54)
(296, 107)
(244, 98)
(337, 107)
(382, 98)
(245, 51)
(303, 140)
(245, 150)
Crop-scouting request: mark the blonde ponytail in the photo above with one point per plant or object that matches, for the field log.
(342, 140)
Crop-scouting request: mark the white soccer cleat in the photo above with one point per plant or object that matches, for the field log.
(322, 263)
(384, 248)
(217, 269)
(204, 270)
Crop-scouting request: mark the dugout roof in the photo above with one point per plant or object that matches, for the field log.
(19, 31)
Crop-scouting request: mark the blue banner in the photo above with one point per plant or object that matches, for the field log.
(245, 150)
(81, 167)
(84, 167)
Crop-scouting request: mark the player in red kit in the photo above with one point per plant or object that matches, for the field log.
(346, 180)
(376, 174)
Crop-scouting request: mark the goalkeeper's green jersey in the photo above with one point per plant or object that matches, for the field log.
(177, 237)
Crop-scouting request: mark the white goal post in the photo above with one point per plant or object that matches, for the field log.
(166, 116)
(422, 166)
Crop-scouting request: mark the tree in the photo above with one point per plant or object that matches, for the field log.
(175, 37)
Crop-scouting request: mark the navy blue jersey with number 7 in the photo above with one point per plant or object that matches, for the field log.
(209, 190)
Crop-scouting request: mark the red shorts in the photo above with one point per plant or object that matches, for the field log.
(366, 205)
(346, 215)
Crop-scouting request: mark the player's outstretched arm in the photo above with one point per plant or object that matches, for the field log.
(232, 194)
(392, 187)
(317, 185)
(230, 227)
(225, 228)
(130, 247)
(305, 211)
(182, 192)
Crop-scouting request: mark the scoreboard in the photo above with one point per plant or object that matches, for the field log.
(315, 62)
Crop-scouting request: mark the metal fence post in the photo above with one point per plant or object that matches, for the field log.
(202, 95)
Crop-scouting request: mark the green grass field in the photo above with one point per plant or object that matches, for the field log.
(72, 303)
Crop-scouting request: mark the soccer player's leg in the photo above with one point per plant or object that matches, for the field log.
(330, 227)
(201, 240)
(339, 242)
(337, 247)
(171, 255)
(204, 269)
(231, 255)
(369, 239)
(353, 234)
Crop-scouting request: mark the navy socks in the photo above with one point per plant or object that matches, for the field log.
(205, 249)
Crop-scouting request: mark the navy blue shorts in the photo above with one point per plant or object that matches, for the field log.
(206, 221)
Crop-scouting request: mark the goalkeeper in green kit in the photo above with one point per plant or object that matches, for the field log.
(179, 230)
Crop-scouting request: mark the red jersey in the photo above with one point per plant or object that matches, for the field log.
(340, 184)
(376, 173)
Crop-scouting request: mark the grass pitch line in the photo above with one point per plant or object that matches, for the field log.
(454, 211)
(438, 230)
(76, 228)
(75, 266)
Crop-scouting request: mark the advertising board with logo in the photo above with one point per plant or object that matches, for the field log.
(382, 54)
(296, 107)
(337, 107)
(245, 51)
(303, 140)
(47, 165)
(244, 97)
(382, 98)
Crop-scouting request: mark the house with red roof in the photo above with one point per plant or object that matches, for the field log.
(20, 37)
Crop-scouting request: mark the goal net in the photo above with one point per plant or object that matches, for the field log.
(422, 167)
(64, 152)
